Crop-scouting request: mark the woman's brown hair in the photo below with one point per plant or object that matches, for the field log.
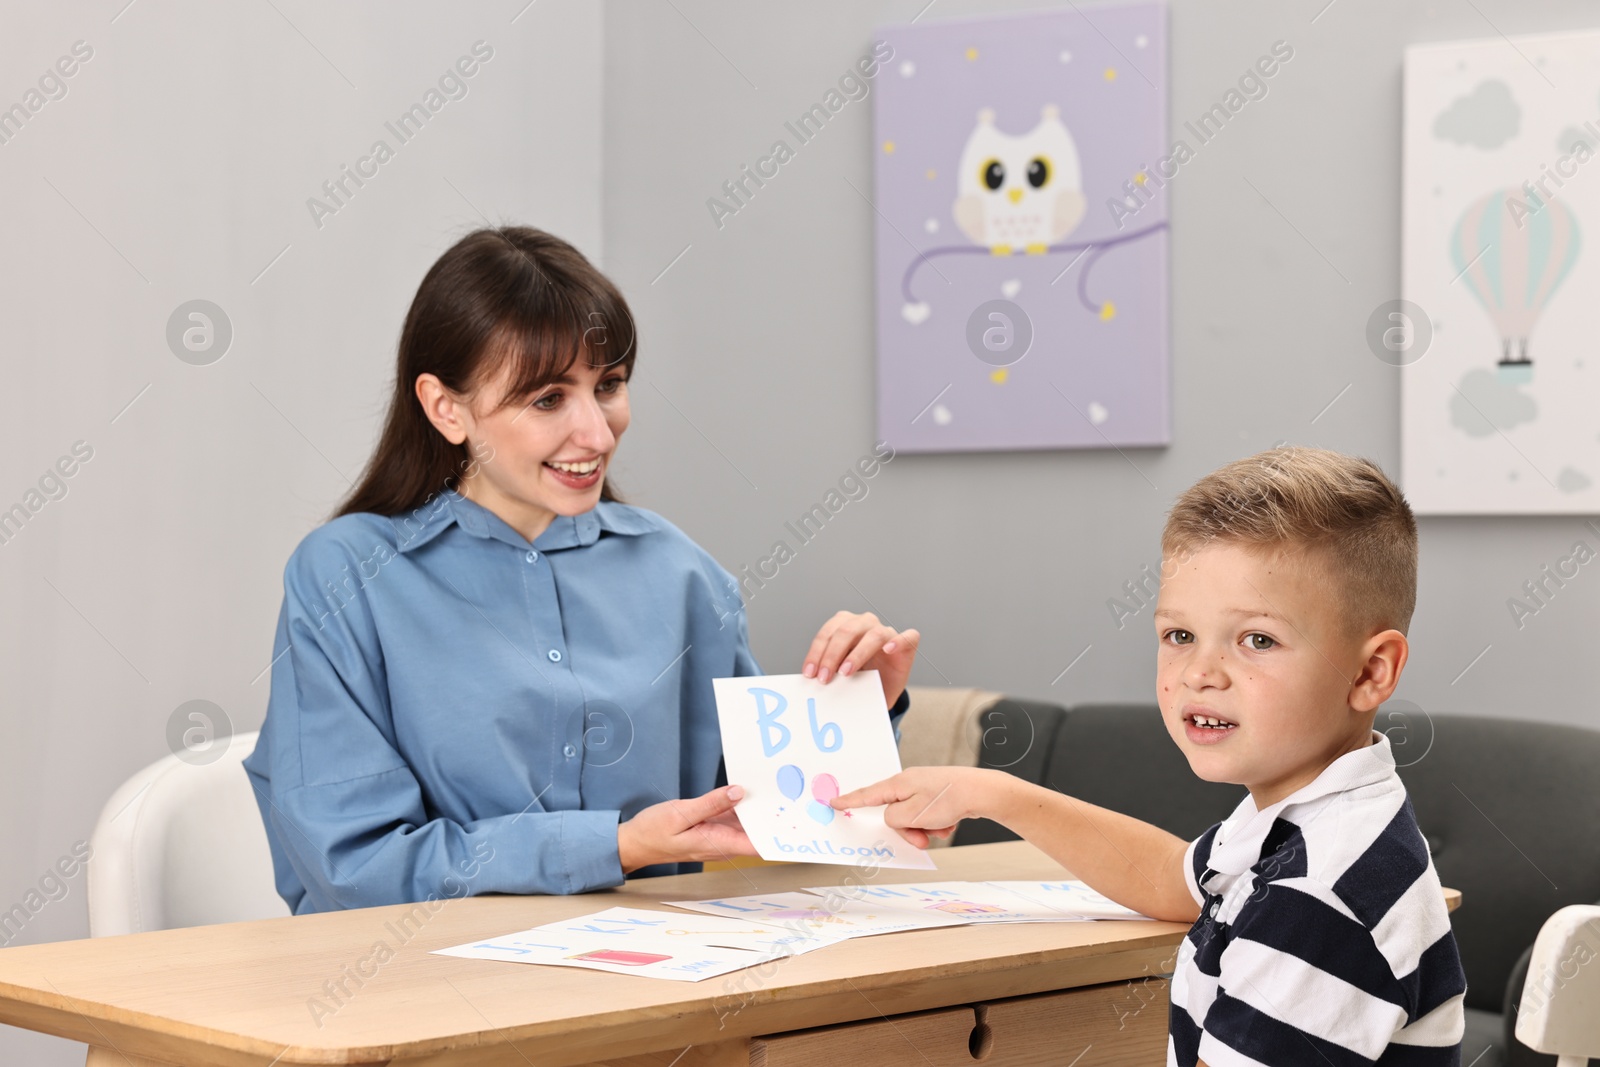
(512, 295)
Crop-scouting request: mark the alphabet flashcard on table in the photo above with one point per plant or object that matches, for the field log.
(833, 918)
(652, 957)
(794, 744)
(1070, 896)
(990, 902)
(625, 925)
(976, 902)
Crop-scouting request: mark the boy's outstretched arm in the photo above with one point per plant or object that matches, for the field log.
(1138, 865)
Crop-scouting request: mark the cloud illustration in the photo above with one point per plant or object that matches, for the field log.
(1483, 404)
(1569, 138)
(1487, 117)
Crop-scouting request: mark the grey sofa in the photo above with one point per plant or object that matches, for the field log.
(1510, 811)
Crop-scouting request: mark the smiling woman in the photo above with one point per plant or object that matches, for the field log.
(516, 697)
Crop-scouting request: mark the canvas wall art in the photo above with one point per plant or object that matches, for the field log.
(1495, 347)
(1020, 196)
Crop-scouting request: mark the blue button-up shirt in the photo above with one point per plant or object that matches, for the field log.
(456, 710)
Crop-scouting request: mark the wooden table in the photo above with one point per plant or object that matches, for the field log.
(360, 987)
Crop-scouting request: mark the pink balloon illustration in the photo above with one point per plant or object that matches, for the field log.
(824, 787)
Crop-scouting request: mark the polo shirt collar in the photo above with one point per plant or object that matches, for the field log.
(1239, 840)
(432, 518)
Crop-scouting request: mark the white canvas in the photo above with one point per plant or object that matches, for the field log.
(1501, 211)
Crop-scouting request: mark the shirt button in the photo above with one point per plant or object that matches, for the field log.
(532, 556)
(1215, 904)
(555, 655)
(569, 752)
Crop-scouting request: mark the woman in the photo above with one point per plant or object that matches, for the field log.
(490, 675)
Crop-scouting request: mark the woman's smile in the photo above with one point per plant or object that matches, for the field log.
(579, 475)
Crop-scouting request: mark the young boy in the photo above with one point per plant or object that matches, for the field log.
(1320, 934)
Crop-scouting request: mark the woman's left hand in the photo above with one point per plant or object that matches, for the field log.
(848, 643)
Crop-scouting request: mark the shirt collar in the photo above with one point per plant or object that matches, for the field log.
(425, 522)
(1240, 839)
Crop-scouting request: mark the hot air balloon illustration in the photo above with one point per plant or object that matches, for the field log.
(1513, 253)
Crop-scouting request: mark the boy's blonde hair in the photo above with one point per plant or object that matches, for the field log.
(1341, 508)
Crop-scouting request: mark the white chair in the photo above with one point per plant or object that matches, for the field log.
(1560, 1010)
(182, 844)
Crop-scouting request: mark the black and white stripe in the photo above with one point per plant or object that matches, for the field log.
(1323, 936)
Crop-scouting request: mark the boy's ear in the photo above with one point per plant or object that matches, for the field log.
(1384, 657)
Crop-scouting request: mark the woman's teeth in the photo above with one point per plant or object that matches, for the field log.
(575, 468)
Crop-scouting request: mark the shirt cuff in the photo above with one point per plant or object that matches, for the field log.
(589, 857)
(901, 704)
(897, 713)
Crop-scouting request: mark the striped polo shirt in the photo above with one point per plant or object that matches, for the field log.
(1323, 936)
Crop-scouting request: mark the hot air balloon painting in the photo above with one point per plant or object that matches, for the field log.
(1513, 251)
(1499, 191)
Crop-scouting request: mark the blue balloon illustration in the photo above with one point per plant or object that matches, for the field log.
(820, 811)
(791, 781)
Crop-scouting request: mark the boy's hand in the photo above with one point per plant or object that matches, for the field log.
(925, 802)
(848, 643)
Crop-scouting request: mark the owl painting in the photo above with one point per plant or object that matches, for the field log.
(1019, 192)
(1017, 308)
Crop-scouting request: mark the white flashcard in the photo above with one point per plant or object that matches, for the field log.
(653, 958)
(1071, 897)
(625, 925)
(975, 902)
(794, 744)
(828, 917)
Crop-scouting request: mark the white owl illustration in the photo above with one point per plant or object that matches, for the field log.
(1022, 191)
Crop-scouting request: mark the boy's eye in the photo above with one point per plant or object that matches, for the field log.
(1260, 642)
(1179, 637)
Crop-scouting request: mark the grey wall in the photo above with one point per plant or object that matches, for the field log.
(176, 167)
(761, 337)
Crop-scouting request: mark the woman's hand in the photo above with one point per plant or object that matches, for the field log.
(676, 831)
(848, 643)
(926, 802)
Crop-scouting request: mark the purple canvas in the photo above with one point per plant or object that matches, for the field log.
(1021, 231)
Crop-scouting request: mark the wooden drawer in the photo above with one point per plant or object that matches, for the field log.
(1123, 1024)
